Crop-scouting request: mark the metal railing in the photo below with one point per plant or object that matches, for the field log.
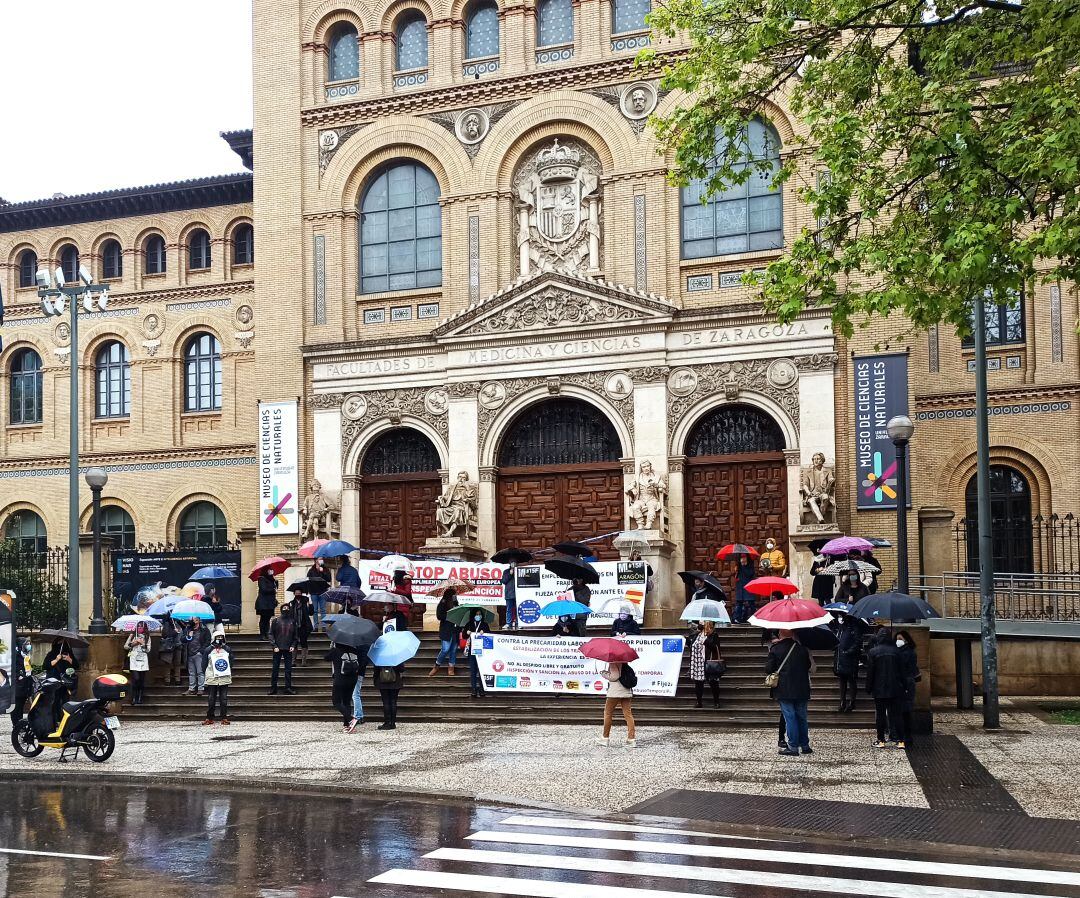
(1039, 545)
(1031, 597)
(40, 583)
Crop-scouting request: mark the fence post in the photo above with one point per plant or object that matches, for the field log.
(935, 531)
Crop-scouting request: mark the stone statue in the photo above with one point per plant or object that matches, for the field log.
(818, 484)
(455, 509)
(647, 495)
(315, 513)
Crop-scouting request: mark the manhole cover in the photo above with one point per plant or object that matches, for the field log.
(229, 738)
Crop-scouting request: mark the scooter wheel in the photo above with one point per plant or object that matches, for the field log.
(99, 743)
(24, 740)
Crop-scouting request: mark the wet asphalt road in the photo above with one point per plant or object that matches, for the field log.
(135, 842)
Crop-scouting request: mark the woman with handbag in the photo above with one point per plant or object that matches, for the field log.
(138, 649)
(476, 625)
(787, 674)
(171, 652)
(706, 663)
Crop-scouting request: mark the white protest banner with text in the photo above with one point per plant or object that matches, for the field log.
(620, 582)
(427, 573)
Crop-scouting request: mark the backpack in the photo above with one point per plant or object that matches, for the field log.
(628, 676)
(350, 663)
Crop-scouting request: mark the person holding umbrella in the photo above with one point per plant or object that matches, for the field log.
(706, 663)
(564, 626)
(745, 571)
(302, 614)
(214, 601)
(138, 648)
(823, 584)
(355, 633)
(621, 680)
(512, 557)
(266, 602)
(788, 669)
(388, 655)
(448, 635)
(846, 656)
(885, 682)
(171, 651)
(346, 671)
(315, 573)
(196, 639)
(851, 588)
(283, 638)
(477, 624)
(910, 671)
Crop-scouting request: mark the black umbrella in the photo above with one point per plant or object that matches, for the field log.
(816, 545)
(512, 555)
(705, 577)
(385, 597)
(893, 606)
(572, 548)
(816, 638)
(356, 632)
(313, 586)
(878, 543)
(570, 567)
(345, 595)
(69, 636)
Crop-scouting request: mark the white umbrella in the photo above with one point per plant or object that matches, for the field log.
(706, 609)
(128, 622)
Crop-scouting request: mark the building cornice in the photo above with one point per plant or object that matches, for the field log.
(89, 459)
(1026, 391)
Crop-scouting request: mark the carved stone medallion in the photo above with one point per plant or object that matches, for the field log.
(153, 325)
(682, 382)
(638, 100)
(328, 141)
(782, 373)
(437, 401)
(472, 126)
(62, 334)
(244, 315)
(618, 385)
(354, 407)
(492, 395)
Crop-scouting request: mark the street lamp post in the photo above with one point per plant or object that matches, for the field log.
(57, 295)
(900, 429)
(96, 478)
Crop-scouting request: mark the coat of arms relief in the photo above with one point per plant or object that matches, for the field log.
(557, 198)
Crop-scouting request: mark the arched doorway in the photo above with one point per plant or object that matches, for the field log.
(735, 483)
(398, 491)
(559, 476)
(1010, 519)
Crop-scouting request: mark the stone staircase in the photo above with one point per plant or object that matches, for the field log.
(744, 702)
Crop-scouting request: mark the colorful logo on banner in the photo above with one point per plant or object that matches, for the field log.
(277, 511)
(528, 612)
(880, 483)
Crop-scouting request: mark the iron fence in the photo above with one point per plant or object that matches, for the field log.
(40, 583)
(1049, 545)
(1033, 597)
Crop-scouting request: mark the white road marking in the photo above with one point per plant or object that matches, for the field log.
(783, 880)
(504, 885)
(574, 823)
(76, 857)
(806, 858)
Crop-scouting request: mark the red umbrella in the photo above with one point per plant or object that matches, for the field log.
(736, 549)
(766, 586)
(275, 564)
(790, 614)
(308, 548)
(604, 648)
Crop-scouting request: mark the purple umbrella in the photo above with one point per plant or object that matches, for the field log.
(844, 544)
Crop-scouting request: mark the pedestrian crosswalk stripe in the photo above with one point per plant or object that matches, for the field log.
(505, 885)
(781, 880)
(738, 852)
(607, 826)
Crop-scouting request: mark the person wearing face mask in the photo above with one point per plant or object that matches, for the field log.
(283, 639)
(851, 588)
(625, 624)
(744, 601)
(448, 635)
(218, 677)
(318, 571)
(24, 681)
(885, 682)
(849, 636)
(823, 585)
(138, 648)
(582, 594)
(772, 561)
(393, 618)
(706, 663)
(910, 670)
(564, 626)
(476, 625)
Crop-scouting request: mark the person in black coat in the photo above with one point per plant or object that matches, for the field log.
(625, 625)
(910, 670)
(476, 625)
(214, 601)
(868, 557)
(846, 657)
(851, 588)
(301, 603)
(266, 602)
(885, 682)
(394, 618)
(346, 668)
(24, 682)
(388, 680)
(564, 626)
(284, 637)
(792, 662)
(582, 594)
(821, 590)
(448, 635)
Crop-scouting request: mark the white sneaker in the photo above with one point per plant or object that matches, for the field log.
(604, 740)
(630, 743)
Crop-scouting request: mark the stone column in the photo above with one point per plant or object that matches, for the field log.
(664, 604)
(489, 475)
(350, 508)
(86, 579)
(249, 590)
(935, 546)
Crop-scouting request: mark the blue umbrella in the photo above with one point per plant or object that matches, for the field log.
(190, 608)
(562, 607)
(164, 605)
(212, 573)
(393, 648)
(840, 607)
(334, 549)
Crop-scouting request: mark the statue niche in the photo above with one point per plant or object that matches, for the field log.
(557, 200)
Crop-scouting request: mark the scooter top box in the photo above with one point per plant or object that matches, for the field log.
(111, 687)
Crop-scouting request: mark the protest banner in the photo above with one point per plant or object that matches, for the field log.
(513, 663)
(427, 573)
(621, 582)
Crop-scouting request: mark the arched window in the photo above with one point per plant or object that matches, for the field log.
(202, 374)
(555, 23)
(411, 38)
(735, 430)
(343, 63)
(198, 250)
(112, 260)
(154, 254)
(28, 530)
(202, 525)
(69, 263)
(28, 264)
(482, 30)
(1010, 521)
(243, 245)
(113, 372)
(559, 432)
(401, 451)
(26, 387)
(117, 523)
(744, 217)
(401, 230)
(628, 15)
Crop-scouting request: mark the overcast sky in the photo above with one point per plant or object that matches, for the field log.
(120, 93)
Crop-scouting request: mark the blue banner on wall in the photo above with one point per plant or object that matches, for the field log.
(881, 392)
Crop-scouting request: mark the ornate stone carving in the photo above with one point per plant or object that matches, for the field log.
(676, 464)
(354, 407)
(455, 509)
(688, 385)
(393, 405)
(782, 373)
(330, 142)
(557, 199)
(153, 325)
(351, 482)
(650, 374)
(816, 486)
(437, 401)
(492, 395)
(647, 497)
(318, 515)
(618, 385)
(638, 100)
(489, 474)
(62, 334)
(244, 316)
(325, 400)
(472, 126)
(819, 361)
(462, 125)
(464, 389)
(151, 347)
(551, 307)
(244, 338)
(554, 385)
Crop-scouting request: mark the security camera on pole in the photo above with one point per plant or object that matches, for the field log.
(57, 297)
